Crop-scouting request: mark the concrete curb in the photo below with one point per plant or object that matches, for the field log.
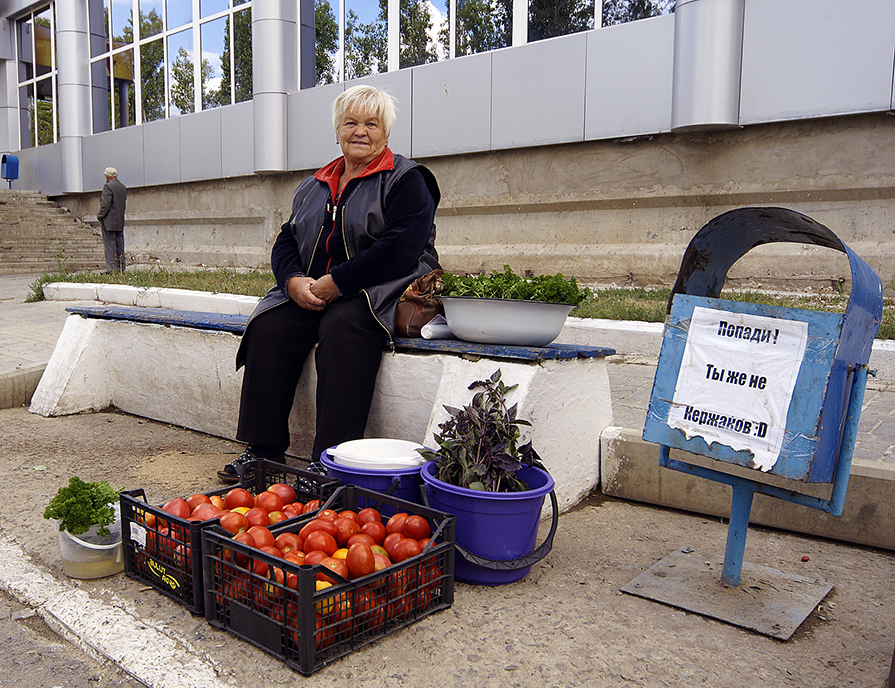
(17, 387)
(629, 470)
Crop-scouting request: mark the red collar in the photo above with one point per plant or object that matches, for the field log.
(333, 171)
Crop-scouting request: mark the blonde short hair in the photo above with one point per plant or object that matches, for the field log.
(110, 172)
(368, 100)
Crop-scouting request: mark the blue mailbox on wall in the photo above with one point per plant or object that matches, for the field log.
(9, 168)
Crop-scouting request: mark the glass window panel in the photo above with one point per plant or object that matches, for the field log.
(482, 26)
(123, 88)
(242, 55)
(326, 31)
(417, 22)
(122, 23)
(100, 95)
(240, 2)
(209, 7)
(152, 81)
(25, 35)
(43, 43)
(213, 34)
(44, 103)
(98, 13)
(366, 42)
(180, 12)
(181, 77)
(549, 18)
(26, 116)
(623, 11)
(150, 18)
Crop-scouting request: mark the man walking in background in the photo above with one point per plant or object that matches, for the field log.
(111, 217)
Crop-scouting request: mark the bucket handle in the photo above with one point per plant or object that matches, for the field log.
(510, 564)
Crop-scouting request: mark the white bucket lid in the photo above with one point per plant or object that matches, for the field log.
(377, 454)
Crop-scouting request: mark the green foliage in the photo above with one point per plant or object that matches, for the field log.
(478, 447)
(80, 505)
(241, 73)
(326, 29)
(508, 285)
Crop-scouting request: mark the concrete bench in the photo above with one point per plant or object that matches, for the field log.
(178, 367)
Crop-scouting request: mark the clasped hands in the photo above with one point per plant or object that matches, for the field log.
(312, 294)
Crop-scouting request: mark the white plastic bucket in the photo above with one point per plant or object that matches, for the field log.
(90, 556)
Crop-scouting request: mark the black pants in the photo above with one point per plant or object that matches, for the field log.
(349, 350)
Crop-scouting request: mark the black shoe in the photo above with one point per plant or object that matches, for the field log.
(236, 470)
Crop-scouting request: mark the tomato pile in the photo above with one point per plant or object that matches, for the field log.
(347, 545)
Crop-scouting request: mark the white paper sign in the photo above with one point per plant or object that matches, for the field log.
(736, 381)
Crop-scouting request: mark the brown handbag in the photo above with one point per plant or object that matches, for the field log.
(419, 304)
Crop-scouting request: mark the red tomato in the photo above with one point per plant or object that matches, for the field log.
(337, 565)
(348, 513)
(218, 501)
(286, 492)
(195, 500)
(369, 610)
(257, 517)
(404, 549)
(297, 558)
(288, 542)
(320, 539)
(293, 510)
(243, 537)
(416, 527)
(360, 537)
(239, 496)
(315, 557)
(269, 501)
(313, 505)
(318, 524)
(263, 537)
(359, 560)
(205, 511)
(390, 541)
(328, 515)
(178, 507)
(233, 521)
(375, 529)
(276, 517)
(381, 561)
(396, 523)
(367, 515)
(345, 529)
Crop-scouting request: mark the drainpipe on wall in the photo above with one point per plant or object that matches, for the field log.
(708, 56)
(73, 84)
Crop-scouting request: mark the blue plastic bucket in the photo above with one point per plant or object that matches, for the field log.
(500, 526)
(402, 483)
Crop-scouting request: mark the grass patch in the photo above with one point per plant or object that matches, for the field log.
(612, 303)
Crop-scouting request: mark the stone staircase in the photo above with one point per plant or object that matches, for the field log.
(37, 236)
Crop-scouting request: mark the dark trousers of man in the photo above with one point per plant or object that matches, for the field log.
(349, 342)
(113, 245)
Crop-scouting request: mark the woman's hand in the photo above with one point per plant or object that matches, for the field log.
(299, 290)
(325, 288)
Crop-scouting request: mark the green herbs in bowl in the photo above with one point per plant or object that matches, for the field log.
(508, 285)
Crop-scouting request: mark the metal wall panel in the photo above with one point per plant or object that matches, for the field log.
(49, 169)
(537, 93)
(452, 106)
(816, 58)
(398, 85)
(311, 139)
(29, 177)
(97, 155)
(630, 95)
(161, 151)
(200, 149)
(237, 153)
(126, 156)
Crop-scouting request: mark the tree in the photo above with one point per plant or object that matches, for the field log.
(152, 73)
(416, 23)
(623, 11)
(242, 61)
(549, 18)
(326, 30)
(182, 82)
(481, 25)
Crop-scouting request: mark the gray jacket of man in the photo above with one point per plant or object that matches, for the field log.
(111, 206)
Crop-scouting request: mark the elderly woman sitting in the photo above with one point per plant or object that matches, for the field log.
(362, 229)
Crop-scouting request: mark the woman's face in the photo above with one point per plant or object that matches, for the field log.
(362, 137)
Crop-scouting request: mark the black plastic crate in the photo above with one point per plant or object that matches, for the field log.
(165, 551)
(275, 605)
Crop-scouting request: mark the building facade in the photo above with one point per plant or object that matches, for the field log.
(597, 154)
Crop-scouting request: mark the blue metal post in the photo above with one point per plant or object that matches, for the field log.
(740, 508)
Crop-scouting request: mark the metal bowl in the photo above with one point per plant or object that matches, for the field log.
(504, 321)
